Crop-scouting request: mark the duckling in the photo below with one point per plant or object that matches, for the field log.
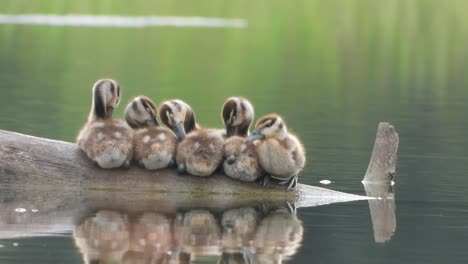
(280, 153)
(241, 160)
(154, 145)
(106, 141)
(103, 237)
(200, 150)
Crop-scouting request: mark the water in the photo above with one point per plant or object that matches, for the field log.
(332, 69)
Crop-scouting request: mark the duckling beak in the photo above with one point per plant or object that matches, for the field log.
(109, 111)
(254, 136)
(231, 130)
(152, 122)
(179, 130)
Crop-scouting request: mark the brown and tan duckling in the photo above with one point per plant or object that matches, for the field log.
(154, 145)
(151, 238)
(280, 153)
(278, 235)
(197, 233)
(105, 140)
(103, 237)
(200, 150)
(241, 160)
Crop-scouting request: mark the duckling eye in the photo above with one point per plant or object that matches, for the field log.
(268, 124)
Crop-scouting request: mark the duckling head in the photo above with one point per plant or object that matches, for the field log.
(237, 115)
(269, 126)
(106, 97)
(141, 112)
(178, 116)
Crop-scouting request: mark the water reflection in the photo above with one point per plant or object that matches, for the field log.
(240, 235)
(145, 227)
(382, 211)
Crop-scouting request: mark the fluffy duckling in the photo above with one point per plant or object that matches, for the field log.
(241, 160)
(278, 235)
(280, 153)
(200, 151)
(106, 141)
(103, 237)
(154, 145)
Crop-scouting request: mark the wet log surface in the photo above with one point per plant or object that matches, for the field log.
(56, 186)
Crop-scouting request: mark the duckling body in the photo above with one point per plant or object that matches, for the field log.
(281, 158)
(280, 153)
(154, 145)
(199, 151)
(106, 141)
(241, 160)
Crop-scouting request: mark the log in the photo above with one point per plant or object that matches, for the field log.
(56, 185)
(382, 211)
(382, 164)
(32, 161)
(378, 182)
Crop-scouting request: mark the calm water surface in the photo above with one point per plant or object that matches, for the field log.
(333, 69)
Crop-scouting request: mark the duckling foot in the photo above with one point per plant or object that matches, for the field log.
(264, 181)
(172, 163)
(181, 168)
(174, 253)
(126, 164)
(249, 255)
(141, 164)
(291, 208)
(292, 183)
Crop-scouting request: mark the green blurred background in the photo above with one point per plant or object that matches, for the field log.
(333, 69)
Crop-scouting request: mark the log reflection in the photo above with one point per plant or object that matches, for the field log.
(260, 234)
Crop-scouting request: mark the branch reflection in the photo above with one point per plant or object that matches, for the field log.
(262, 234)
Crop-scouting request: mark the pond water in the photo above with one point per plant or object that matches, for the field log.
(332, 69)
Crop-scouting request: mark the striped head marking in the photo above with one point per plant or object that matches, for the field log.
(271, 125)
(178, 116)
(141, 112)
(237, 115)
(106, 97)
(267, 127)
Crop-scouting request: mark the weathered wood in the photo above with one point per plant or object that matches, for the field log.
(382, 165)
(31, 161)
(382, 210)
(56, 179)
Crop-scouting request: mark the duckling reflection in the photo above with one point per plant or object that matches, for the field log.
(238, 228)
(197, 233)
(238, 235)
(150, 239)
(278, 236)
(103, 237)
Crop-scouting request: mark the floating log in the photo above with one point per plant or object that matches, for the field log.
(32, 161)
(382, 164)
(47, 186)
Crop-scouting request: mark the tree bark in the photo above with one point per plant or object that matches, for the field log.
(53, 185)
(382, 165)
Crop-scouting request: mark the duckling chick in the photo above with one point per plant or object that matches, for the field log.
(154, 145)
(106, 141)
(280, 153)
(241, 160)
(200, 151)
